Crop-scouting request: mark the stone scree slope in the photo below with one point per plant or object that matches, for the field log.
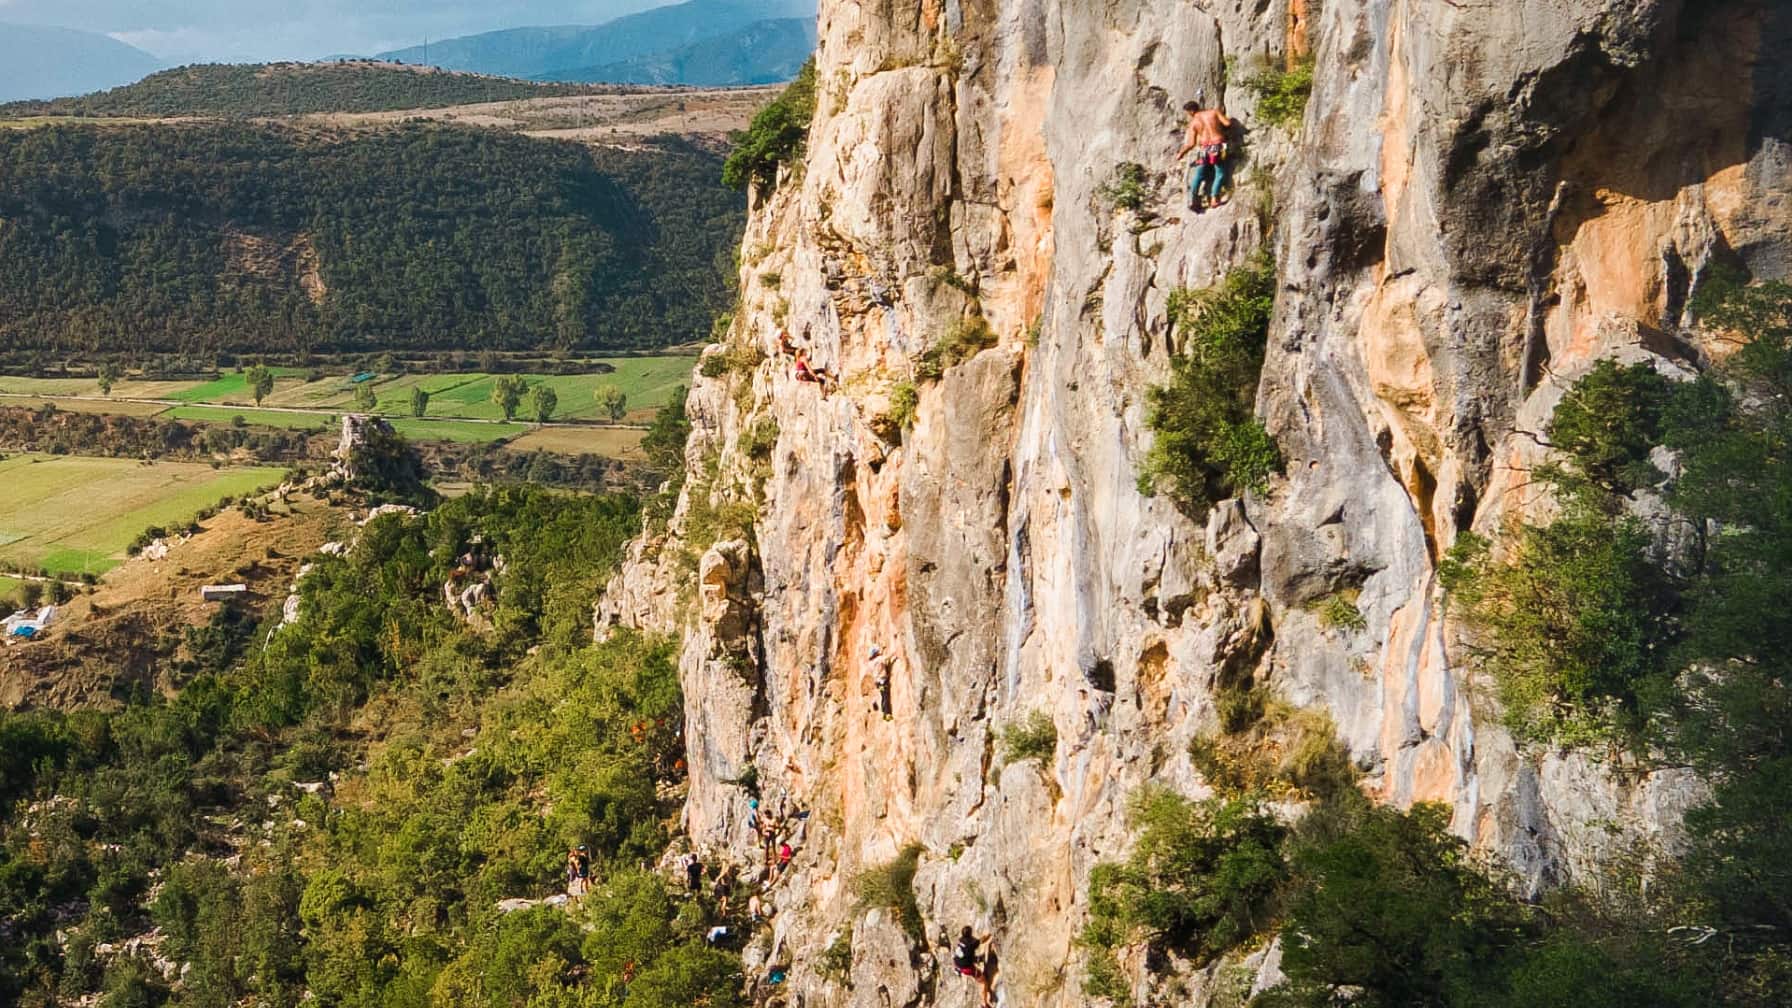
(1481, 200)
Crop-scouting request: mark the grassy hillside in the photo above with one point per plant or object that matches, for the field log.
(275, 89)
(252, 238)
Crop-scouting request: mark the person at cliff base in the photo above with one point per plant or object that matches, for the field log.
(1206, 137)
(693, 872)
(578, 871)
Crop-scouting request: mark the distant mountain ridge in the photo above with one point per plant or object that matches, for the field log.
(272, 89)
(557, 52)
(40, 62)
(765, 52)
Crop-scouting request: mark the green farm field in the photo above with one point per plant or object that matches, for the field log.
(263, 418)
(456, 402)
(233, 388)
(108, 407)
(125, 389)
(610, 442)
(647, 381)
(468, 432)
(72, 514)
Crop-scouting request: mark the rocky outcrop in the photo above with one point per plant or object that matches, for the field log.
(1481, 200)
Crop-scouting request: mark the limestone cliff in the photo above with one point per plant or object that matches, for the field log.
(1482, 199)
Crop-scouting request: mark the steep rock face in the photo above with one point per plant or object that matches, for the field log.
(1483, 199)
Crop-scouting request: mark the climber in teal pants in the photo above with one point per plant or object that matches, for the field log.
(1206, 137)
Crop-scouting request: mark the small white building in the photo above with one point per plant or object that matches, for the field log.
(27, 624)
(223, 593)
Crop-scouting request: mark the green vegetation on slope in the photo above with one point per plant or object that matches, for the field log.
(197, 239)
(276, 89)
(776, 135)
(464, 763)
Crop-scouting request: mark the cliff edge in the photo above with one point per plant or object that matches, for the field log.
(1477, 202)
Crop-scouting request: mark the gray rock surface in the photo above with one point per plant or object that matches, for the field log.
(1481, 200)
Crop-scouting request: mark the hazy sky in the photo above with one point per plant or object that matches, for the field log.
(188, 31)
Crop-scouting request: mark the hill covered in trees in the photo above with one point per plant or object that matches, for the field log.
(371, 805)
(252, 238)
(275, 89)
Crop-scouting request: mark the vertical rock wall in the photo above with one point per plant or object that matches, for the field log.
(1482, 199)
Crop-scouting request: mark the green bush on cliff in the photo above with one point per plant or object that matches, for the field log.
(1127, 189)
(1609, 421)
(1036, 737)
(1681, 627)
(1209, 444)
(1393, 905)
(963, 339)
(776, 135)
(664, 441)
(1573, 622)
(891, 886)
(904, 400)
(1282, 92)
(1202, 879)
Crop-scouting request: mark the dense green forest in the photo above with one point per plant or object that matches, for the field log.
(198, 239)
(444, 768)
(276, 89)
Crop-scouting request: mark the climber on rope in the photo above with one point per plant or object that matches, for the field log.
(1206, 137)
(880, 670)
(967, 962)
(807, 372)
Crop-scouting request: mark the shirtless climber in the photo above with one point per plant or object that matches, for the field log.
(1206, 137)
